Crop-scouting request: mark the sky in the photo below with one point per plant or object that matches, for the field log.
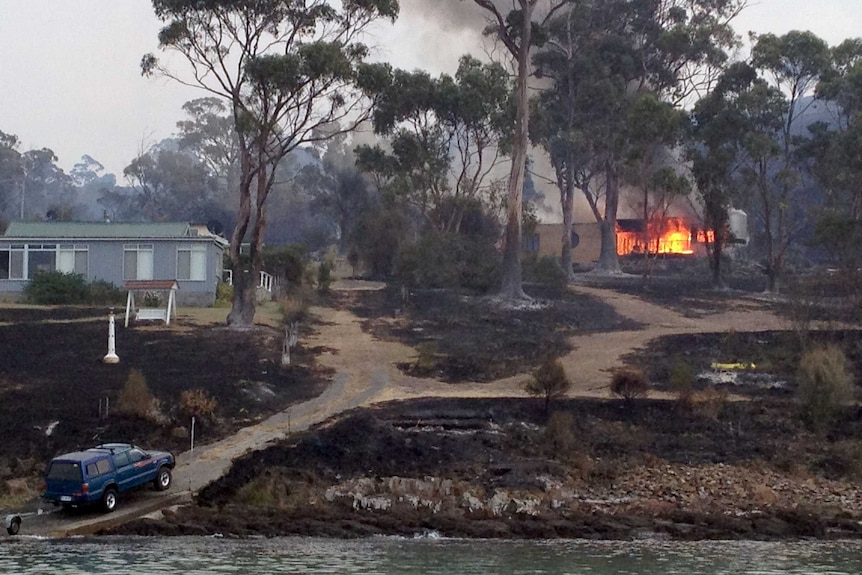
(70, 77)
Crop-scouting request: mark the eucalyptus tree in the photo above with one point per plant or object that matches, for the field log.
(835, 156)
(11, 172)
(517, 31)
(652, 167)
(208, 134)
(717, 127)
(603, 57)
(444, 136)
(167, 185)
(47, 191)
(290, 73)
(791, 66)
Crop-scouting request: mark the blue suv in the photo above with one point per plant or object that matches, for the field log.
(100, 474)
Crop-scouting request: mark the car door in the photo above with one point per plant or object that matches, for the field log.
(144, 465)
(125, 470)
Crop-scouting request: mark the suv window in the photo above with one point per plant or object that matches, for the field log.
(97, 468)
(64, 471)
(121, 459)
(137, 455)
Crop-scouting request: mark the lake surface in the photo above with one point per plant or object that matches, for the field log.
(428, 556)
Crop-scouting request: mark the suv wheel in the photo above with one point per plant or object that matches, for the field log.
(109, 500)
(163, 479)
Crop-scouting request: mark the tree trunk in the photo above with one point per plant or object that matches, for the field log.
(512, 287)
(568, 197)
(608, 258)
(246, 272)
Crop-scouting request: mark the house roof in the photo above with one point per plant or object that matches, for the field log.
(107, 230)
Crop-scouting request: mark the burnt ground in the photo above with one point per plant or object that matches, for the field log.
(462, 337)
(715, 469)
(498, 467)
(775, 355)
(492, 468)
(51, 371)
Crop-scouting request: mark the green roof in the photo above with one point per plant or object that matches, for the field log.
(52, 230)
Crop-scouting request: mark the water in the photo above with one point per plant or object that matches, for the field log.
(385, 556)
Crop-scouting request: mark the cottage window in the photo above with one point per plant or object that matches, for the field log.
(41, 258)
(192, 263)
(12, 262)
(72, 259)
(138, 262)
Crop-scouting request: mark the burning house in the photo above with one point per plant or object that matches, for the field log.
(670, 236)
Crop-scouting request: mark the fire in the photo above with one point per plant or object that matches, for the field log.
(664, 236)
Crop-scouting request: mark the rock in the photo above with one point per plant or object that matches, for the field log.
(764, 495)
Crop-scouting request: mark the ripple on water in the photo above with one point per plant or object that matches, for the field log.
(422, 556)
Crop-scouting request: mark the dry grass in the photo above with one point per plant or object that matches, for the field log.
(267, 313)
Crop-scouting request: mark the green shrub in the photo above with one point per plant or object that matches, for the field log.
(549, 381)
(224, 295)
(56, 288)
(259, 492)
(287, 262)
(448, 260)
(824, 386)
(630, 383)
(106, 293)
(682, 376)
(545, 271)
(324, 276)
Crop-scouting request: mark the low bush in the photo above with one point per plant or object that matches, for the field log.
(199, 404)
(545, 271)
(629, 383)
(294, 306)
(136, 399)
(224, 295)
(549, 381)
(426, 359)
(682, 376)
(324, 276)
(287, 262)
(449, 260)
(106, 293)
(259, 492)
(824, 386)
(56, 288)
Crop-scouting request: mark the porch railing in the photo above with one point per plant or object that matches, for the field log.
(265, 280)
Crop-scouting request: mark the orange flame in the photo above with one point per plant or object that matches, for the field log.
(664, 236)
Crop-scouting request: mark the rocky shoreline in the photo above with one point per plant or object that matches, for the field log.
(492, 468)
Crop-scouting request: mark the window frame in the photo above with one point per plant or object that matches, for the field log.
(75, 250)
(193, 250)
(14, 251)
(138, 249)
